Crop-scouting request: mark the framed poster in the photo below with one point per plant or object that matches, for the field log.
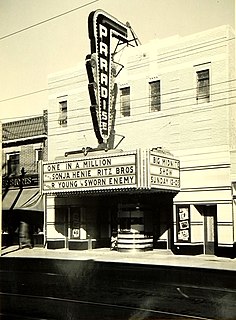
(183, 233)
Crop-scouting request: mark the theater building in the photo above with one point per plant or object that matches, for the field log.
(168, 181)
(24, 144)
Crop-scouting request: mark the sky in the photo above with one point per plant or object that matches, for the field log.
(31, 49)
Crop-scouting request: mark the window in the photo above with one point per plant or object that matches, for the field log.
(38, 157)
(203, 86)
(38, 154)
(155, 95)
(125, 101)
(63, 113)
(13, 164)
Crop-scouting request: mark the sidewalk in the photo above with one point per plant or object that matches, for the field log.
(155, 257)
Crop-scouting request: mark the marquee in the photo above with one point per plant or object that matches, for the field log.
(139, 169)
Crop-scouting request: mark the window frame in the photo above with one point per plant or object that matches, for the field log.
(203, 93)
(125, 105)
(156, 106)
(16, 171)
(63, 111)
(38, 158)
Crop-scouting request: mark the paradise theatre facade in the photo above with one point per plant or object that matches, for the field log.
(105, 195)
(143, 99)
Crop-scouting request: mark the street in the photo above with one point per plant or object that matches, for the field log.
(35, 288)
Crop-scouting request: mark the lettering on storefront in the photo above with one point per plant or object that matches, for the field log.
(19, 181)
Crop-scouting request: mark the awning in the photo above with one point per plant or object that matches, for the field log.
(25, 199)
(9, 199)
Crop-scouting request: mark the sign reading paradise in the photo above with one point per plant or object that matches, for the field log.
(125, 170)
(101, 70)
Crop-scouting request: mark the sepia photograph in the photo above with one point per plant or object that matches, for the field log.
(118, 160)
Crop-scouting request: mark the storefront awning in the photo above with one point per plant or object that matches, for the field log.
(25, 199)
(9, 199)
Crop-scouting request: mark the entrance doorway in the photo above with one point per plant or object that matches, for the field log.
(210, 229)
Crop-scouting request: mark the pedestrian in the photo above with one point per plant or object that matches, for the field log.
(24, 237)
(114, 241)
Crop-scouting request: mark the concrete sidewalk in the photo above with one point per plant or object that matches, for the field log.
(155, 257)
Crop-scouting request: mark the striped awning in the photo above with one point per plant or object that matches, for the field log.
(29, 199)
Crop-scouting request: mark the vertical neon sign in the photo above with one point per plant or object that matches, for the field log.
(100, 70)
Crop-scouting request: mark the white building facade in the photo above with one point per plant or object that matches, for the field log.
(175, 94)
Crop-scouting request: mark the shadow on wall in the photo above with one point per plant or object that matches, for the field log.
(61, 220)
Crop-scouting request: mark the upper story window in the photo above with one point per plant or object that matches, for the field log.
(155, 95)
(13, 164)
(203, 86)
(38, 154)
(125, 101)
(63, 113)
(38, 157)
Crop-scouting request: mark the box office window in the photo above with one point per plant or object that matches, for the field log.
(203, 86)
(155, 95)
(75, 222)
(125, 101)
(78, 223)
(129, 218)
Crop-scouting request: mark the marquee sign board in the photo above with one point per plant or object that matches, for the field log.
(101, 69)
(87, 174)
(164, 171)
(139, 169)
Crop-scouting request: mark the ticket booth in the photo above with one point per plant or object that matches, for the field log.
(131, 229)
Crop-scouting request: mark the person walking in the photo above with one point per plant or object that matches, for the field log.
(24, 237)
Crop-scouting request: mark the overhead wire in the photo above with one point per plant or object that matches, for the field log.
(142, 106)
(175, 52)
(146, 112)
(163, 96)
(47, 20)
(157, 115)
(137, 66)
(47, 89)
